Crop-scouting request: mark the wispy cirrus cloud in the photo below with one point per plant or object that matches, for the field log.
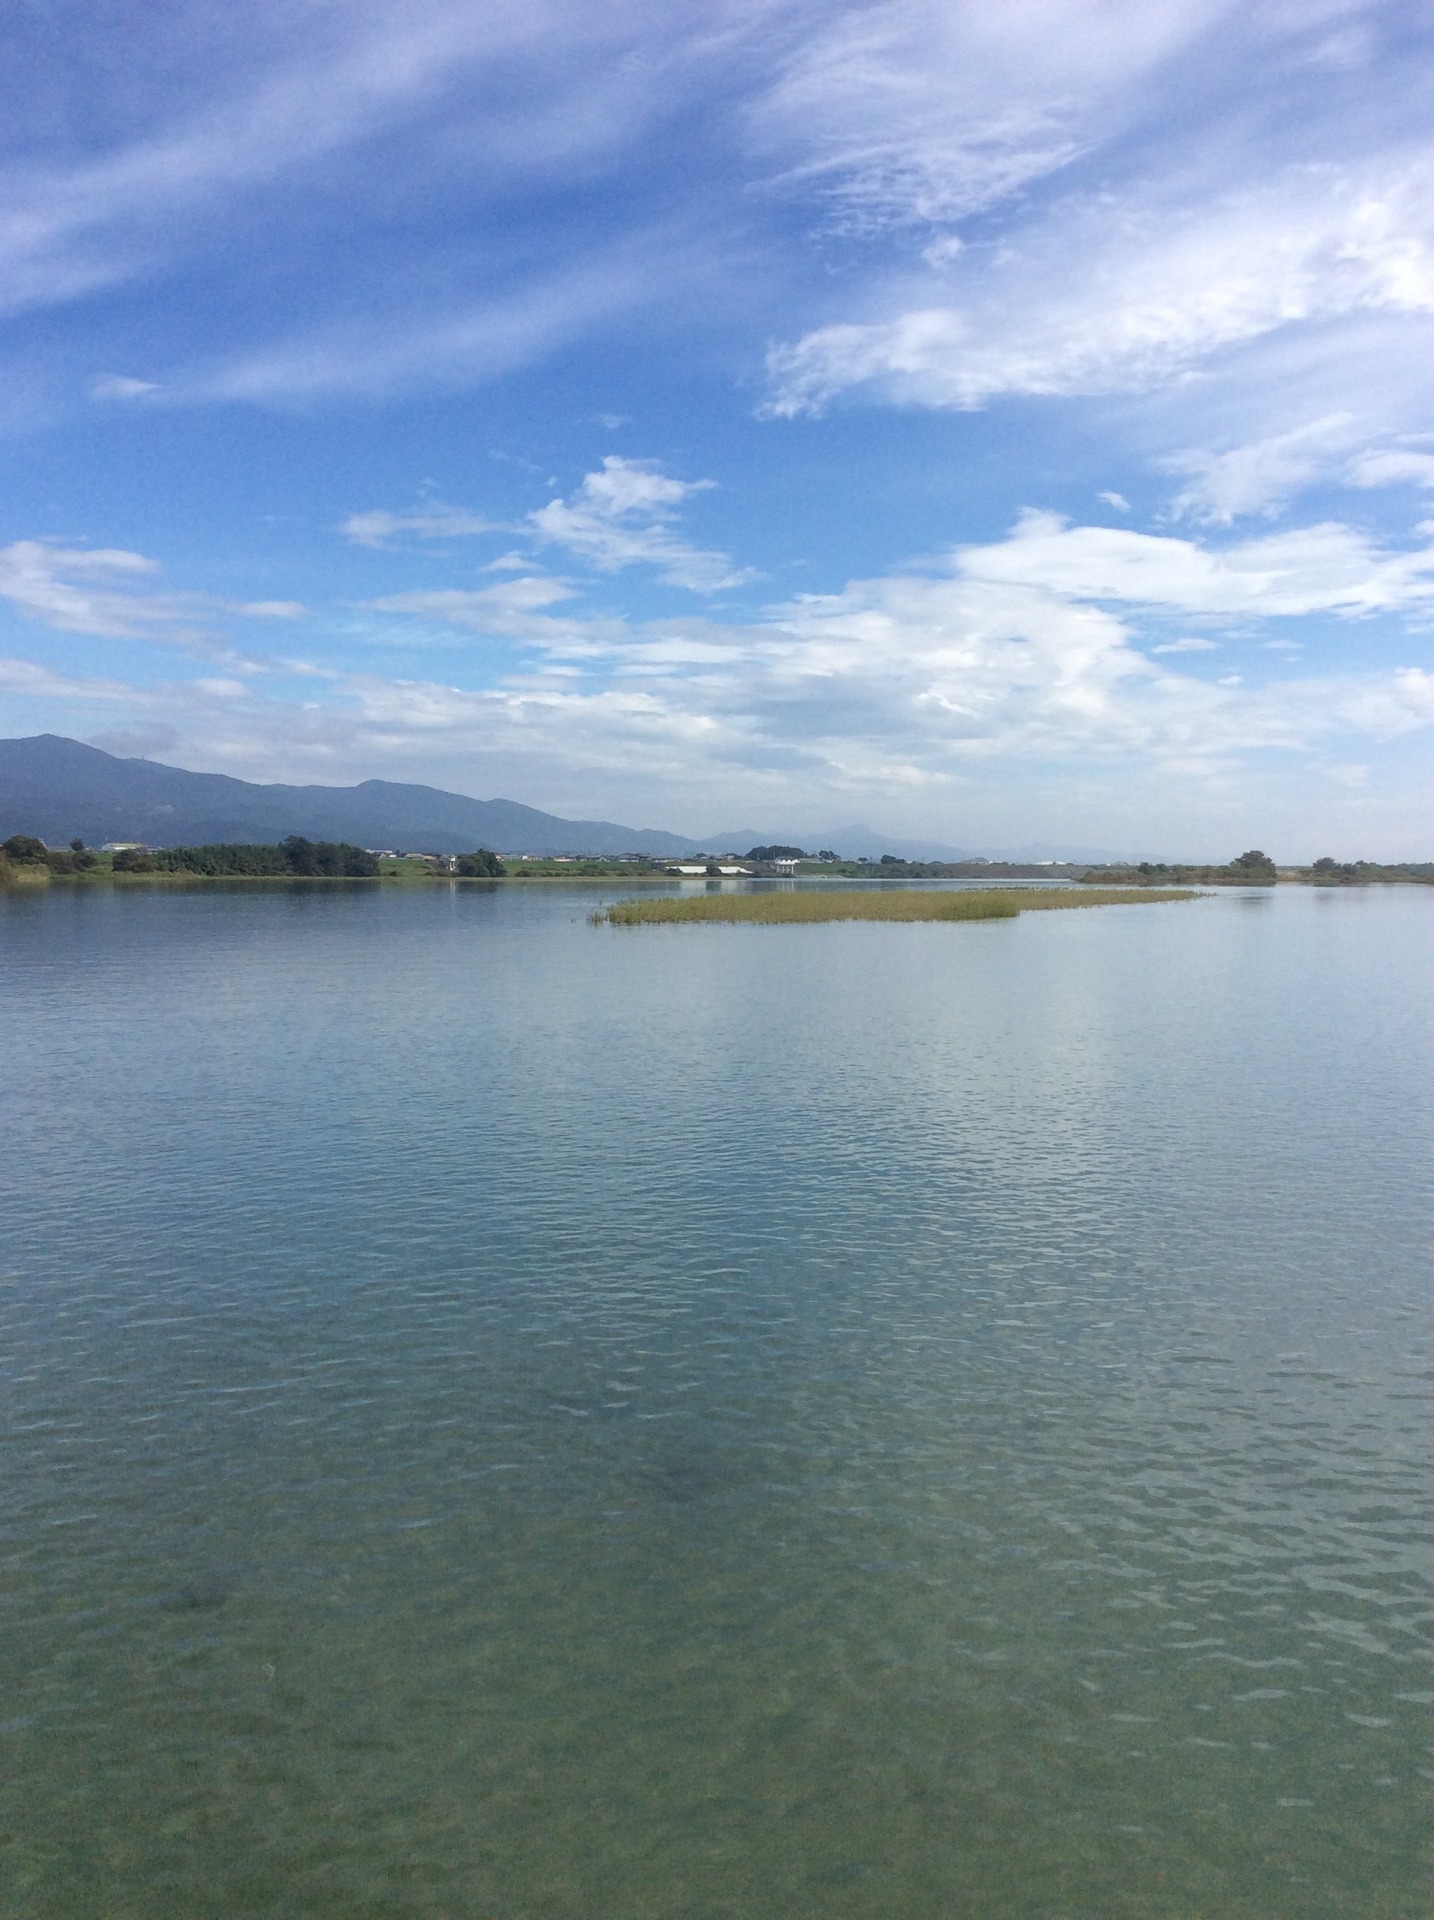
(107, 593)
(297, 92)
(35, 680)
(1103, 297)
(91, 590)
(396, 345)
(910, 113)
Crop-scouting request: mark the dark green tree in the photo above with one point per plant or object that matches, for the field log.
(301, 854)
(482, 864)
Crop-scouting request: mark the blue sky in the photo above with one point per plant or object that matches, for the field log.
(1003, 425)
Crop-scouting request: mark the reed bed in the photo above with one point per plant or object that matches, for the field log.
(833, 903)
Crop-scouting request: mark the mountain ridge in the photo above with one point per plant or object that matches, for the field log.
(59, 788)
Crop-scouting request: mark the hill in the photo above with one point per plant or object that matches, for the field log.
(58, 788)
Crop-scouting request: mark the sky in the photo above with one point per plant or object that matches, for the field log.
(1011, 426)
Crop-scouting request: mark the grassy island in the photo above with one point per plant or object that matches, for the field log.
(789, 909)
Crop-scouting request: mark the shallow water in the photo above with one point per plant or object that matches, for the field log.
(507, 1418)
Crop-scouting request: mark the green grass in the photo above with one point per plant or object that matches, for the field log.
(788, 909)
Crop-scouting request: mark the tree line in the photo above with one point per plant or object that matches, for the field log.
(24, 850)
(294, 857)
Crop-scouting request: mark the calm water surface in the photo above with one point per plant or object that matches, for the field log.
(510, 1420)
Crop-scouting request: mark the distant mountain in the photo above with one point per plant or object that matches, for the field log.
(58, 788)
(855, 840)
(1078, 855)
(851, 842)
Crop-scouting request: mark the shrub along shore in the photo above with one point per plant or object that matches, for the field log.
(28, 861)
(789, 909)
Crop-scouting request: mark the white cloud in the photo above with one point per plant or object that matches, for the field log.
(33, 680)
(1027, 652)
(1393, 467)
(483, 608)
(1025, 661)
(1263, 475)
(1322, 569)
(621, 517)
(515, 608)
(1111, 295)
(379, 528)
(86, 590)
(271, 609)
(1116, 500)
(101, 591)
(120, 386)
(1352, 774)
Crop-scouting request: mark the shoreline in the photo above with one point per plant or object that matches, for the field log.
(29, 879)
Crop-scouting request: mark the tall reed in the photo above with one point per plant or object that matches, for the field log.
(839, 903)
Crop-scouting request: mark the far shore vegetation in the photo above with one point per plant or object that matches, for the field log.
(26, 861)
(830, 903)
(1257, 869)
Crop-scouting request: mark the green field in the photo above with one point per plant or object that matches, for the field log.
(788, 909)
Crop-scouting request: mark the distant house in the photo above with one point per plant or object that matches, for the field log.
(698, 873)
(124, 846)
(785, 866)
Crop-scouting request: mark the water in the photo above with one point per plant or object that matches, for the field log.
(509, 1419)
